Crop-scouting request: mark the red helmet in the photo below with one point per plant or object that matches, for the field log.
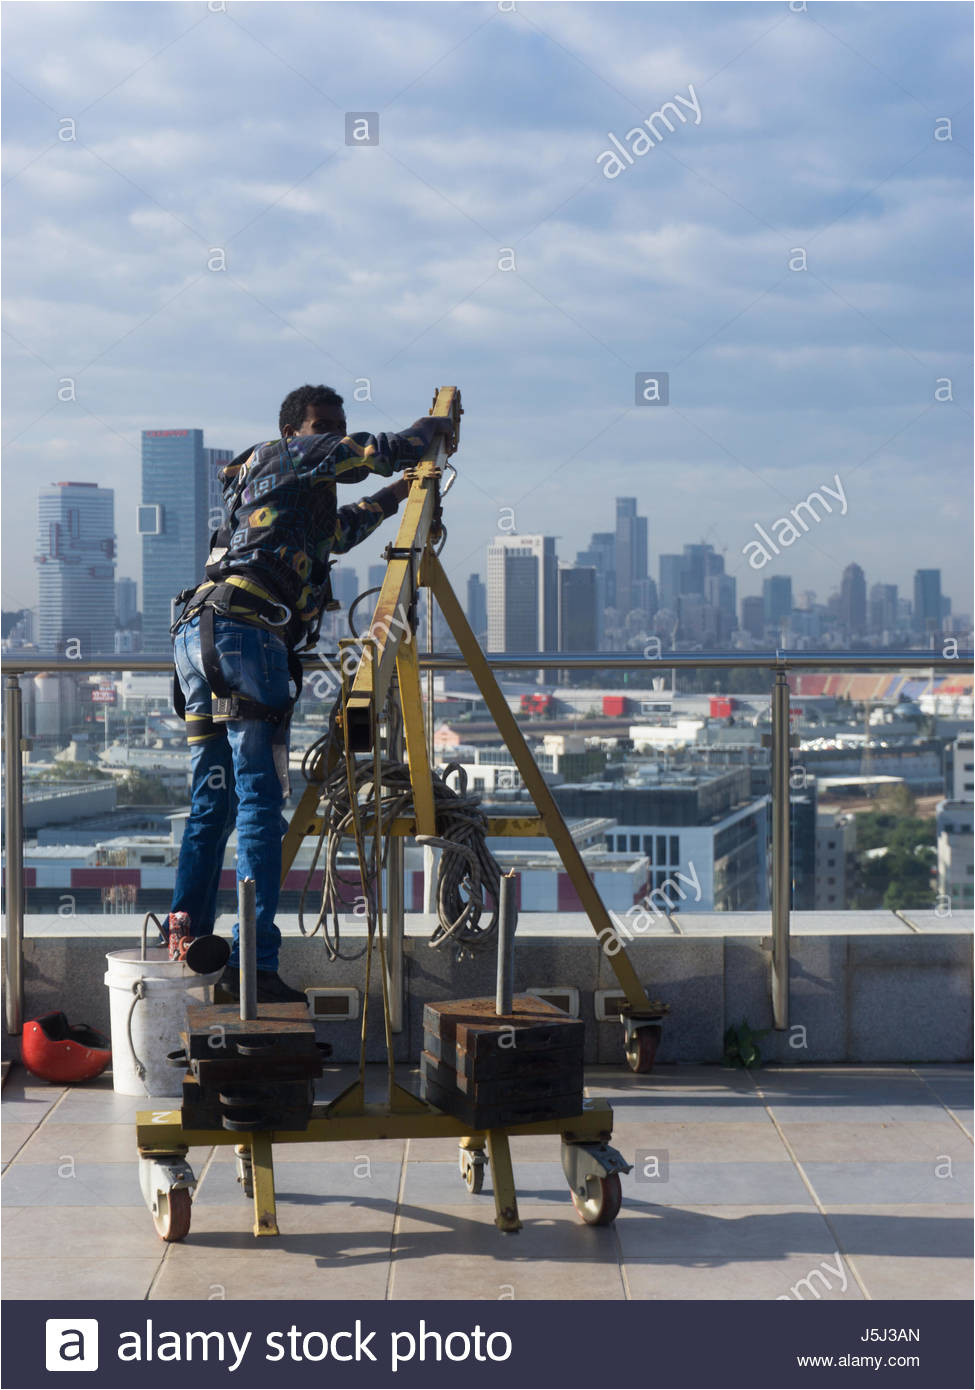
(56, 1050)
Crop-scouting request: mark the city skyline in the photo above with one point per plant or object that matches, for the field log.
(773, 259)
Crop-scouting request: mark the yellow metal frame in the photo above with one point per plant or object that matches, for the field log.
(347, 1117)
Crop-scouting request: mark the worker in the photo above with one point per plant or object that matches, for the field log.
(236, 642)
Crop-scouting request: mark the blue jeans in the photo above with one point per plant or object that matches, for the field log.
(234, 778)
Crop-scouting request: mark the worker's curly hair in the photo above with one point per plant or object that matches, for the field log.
(295, 405)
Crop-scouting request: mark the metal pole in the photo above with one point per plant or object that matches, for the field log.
(13, 827)
(395, 896)
(504, 1000)
(781, 858)
(247, 919)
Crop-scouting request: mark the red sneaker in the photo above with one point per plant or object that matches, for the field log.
(180, 934)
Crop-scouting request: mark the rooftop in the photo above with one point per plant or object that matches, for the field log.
(744, 1186)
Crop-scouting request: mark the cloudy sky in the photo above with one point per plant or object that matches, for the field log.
(835, 137)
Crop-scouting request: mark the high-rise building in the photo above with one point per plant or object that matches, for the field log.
(883, 610)
(927, 613)
(698, 563)
(126, 602)
(721, 592)
(477, 607)
(75, 560)
(345, 585)
(522, 594)
(631, 552)
(601, 556)
(173, 521)
(669, 587)
(577, 608)
(213, 461)
(753, 616)
(376, 573)
(853, 601)
(777, 595)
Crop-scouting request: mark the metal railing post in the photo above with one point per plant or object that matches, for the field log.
(781, 859)
(13, 827)
(396, 900)
(247, 946)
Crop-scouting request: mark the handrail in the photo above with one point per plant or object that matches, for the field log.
(780, 662)
(38, 664)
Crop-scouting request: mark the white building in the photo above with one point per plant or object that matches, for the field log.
(522, 594)
(956, 865)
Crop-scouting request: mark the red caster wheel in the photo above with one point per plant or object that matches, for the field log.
(172, 1216)
(641, 1049)
(602, 1202)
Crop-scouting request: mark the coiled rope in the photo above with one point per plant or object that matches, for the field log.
(468, 877)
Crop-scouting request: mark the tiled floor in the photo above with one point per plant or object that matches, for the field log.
(824, 1182)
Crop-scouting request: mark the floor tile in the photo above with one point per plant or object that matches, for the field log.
(90, 1278)
(548, 1232)
(13, 1136)
(441, 1185)
(849, 1184)
(907, 1232)
(77, 1233)
(885, 1277)
(796, 1278)
(69, 1183)
(724, 1233)
(91, 1143)
(487, 1278)
(695, 1141)
(308, 1183)
(895, 1142)
(717, 1184)
(273, 1275)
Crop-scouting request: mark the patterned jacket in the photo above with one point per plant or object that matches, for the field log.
(283, 518)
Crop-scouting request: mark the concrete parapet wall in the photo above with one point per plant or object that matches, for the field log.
(866, 987)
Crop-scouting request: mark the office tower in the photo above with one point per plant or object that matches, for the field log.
(631, 552)
(75, 560)
(945, 606)
(927, 601)
(173, 523)
(721, 592)
(645, 596)
(669, 588)
(753, 616)
(853, 601)
(213, 461)
(698, 563)
(522, 595)
(345, 586)
(777, 594)
(376, 575)
(126, 602)
(477, 607)
(577, 608)
(884, 608)
(601, 556)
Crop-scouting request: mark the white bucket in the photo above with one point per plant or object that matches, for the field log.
(145, 1029)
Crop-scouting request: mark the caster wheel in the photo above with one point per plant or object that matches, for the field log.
(602, 1202)
(474, 1177)
(642, 1048)
(172, 1219)
(245, 1172)
(472, 1166)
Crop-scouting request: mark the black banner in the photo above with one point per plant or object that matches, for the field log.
(260, 1346)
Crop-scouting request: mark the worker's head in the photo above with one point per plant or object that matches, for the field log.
(311, 410)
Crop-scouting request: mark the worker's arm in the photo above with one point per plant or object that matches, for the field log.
(325, 458)
(358, 520)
